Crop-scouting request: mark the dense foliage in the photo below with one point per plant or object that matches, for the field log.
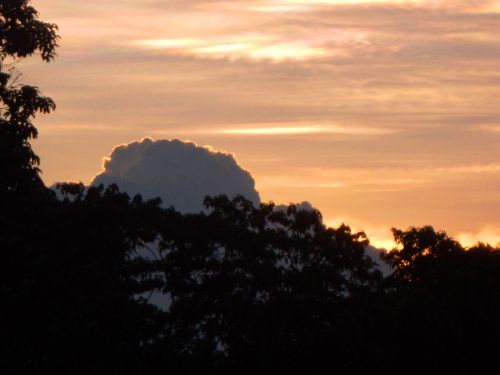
(21, 35)
(241, 288)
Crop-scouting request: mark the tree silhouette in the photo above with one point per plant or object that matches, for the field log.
(443, 302)
(258, 287)
(70, 280)
(21, 34)
(73, 284)
(423, 257)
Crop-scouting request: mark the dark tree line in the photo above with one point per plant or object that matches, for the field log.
(246, 288)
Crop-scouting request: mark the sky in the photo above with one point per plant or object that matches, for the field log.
(381, 113)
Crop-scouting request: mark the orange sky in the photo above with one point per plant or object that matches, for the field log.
(380, 113)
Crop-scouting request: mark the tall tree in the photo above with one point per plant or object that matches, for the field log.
(22, 34)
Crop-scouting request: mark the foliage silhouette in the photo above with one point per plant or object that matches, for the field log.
(444, 303)
(21, 35)
(258, 286)
(70, 280)
(73, 285)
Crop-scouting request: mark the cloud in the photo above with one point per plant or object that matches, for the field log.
(301, 129)
(490, 128)
(374, 253)
(180, 173)
(251, 47)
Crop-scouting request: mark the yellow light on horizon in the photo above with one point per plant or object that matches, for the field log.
(287, 52)
(304, 129)
(254, 48)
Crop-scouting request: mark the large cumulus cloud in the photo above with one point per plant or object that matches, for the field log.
(180, 173)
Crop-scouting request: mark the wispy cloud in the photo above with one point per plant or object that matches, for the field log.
(255, 47)
(74, 128)
(490, 128)
(302, 129)
(469, 169)
(292, 182)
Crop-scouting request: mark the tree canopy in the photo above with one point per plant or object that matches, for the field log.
(21, 35)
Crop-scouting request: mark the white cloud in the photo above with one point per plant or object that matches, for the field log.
(180, 173)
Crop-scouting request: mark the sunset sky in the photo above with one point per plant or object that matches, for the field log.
(380, 113)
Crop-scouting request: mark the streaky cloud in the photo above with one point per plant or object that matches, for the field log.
(275, 129)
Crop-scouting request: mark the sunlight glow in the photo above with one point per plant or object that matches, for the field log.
(274, 129)
(288, 51)
(489, 234)
(273, 46)
(243, 46)
(380, 237)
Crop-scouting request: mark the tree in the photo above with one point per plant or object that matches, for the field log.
(74, 287)
(70, 279)
(442, 301)
(21, 35)
(259, 287)
(423, 256)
